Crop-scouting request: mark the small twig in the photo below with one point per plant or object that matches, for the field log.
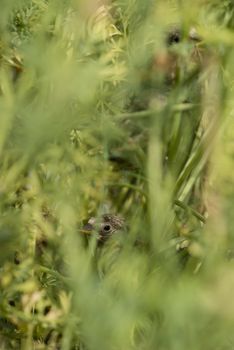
(180, 107)
(193, 211)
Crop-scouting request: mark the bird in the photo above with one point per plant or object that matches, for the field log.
(106, 225)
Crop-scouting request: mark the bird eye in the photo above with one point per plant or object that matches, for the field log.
(107, 228)
(174, 37)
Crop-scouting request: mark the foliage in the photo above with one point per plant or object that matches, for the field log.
(123, 107)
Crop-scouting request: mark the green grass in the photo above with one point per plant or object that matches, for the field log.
(99, 113)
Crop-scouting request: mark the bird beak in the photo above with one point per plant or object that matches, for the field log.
(87, 229)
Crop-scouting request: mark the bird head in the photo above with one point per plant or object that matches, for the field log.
(106, 225)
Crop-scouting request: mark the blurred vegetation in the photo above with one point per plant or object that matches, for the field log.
(123, 107)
